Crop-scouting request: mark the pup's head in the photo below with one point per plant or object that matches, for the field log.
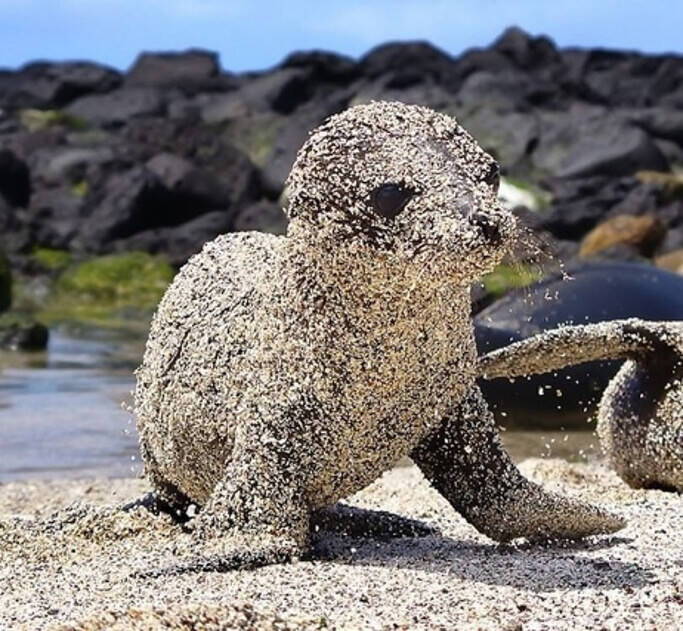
(405, 180)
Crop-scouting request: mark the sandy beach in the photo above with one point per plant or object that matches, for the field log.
(68, 560)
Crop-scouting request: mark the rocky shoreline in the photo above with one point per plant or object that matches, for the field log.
(176, 150)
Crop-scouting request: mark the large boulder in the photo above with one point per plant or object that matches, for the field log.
(199, 187)
(132, 201)
(663, 122)
(324, 67)
(618, 78)
(54, 216)
(179, 243)
(166, 192)
(585, 141)
(190, 71)
(525, 51)
(409, 63)
(49, 85)
(507, 92)
(119, 106)
(281, 91)
(578, 205)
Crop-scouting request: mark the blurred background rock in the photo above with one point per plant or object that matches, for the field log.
(110, 180)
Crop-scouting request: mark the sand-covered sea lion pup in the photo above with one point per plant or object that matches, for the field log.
(284, 373)
(640, 416)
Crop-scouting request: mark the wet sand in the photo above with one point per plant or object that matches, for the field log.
(92, 567)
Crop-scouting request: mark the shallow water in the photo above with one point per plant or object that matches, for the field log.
(60, 411)
(61, 414)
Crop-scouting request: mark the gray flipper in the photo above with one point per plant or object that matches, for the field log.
(567, 346)
(640, 423)
(256, 516)
(465, 461)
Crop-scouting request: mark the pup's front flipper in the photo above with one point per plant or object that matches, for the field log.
(256, 516)
(465, 461)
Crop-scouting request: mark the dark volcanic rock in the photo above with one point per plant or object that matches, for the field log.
(117, 107)
(15, 179)
(54, 217)
(180, 242)
(525, 51)
(184, 180)
(578, 205)
(189, 70)
(263, 216)
(583, 142)
(408, 63)
(324, 67)
(133, 201)
(168, 191)
(660, 122)
(175, 150)
(19, 335)
(50, 85)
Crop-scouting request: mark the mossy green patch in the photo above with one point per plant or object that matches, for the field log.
(109, 290)
(5, 283)
(80, 189)
(51, 259)
(506, 277)
(35, 120)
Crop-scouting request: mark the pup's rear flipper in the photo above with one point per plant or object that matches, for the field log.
(466, 463)
(571, 345)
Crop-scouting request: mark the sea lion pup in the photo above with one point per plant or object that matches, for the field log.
(640, 416)
(284, 373)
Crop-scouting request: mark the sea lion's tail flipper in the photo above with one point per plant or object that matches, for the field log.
(571, 345)
(466, 463)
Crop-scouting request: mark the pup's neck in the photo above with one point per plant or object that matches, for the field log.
(365, 279)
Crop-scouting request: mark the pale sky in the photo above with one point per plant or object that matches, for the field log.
(252, 35)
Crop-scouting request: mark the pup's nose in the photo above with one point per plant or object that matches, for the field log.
(489, 229)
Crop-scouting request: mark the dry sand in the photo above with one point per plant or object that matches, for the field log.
(84, 568)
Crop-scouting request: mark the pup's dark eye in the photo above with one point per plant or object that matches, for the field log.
(389, 199)
(492, 177)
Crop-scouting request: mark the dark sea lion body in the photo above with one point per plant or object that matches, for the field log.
(597, 292)
(640, 416)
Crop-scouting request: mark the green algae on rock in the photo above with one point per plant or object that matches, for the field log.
(51, 259)
(108, 290)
